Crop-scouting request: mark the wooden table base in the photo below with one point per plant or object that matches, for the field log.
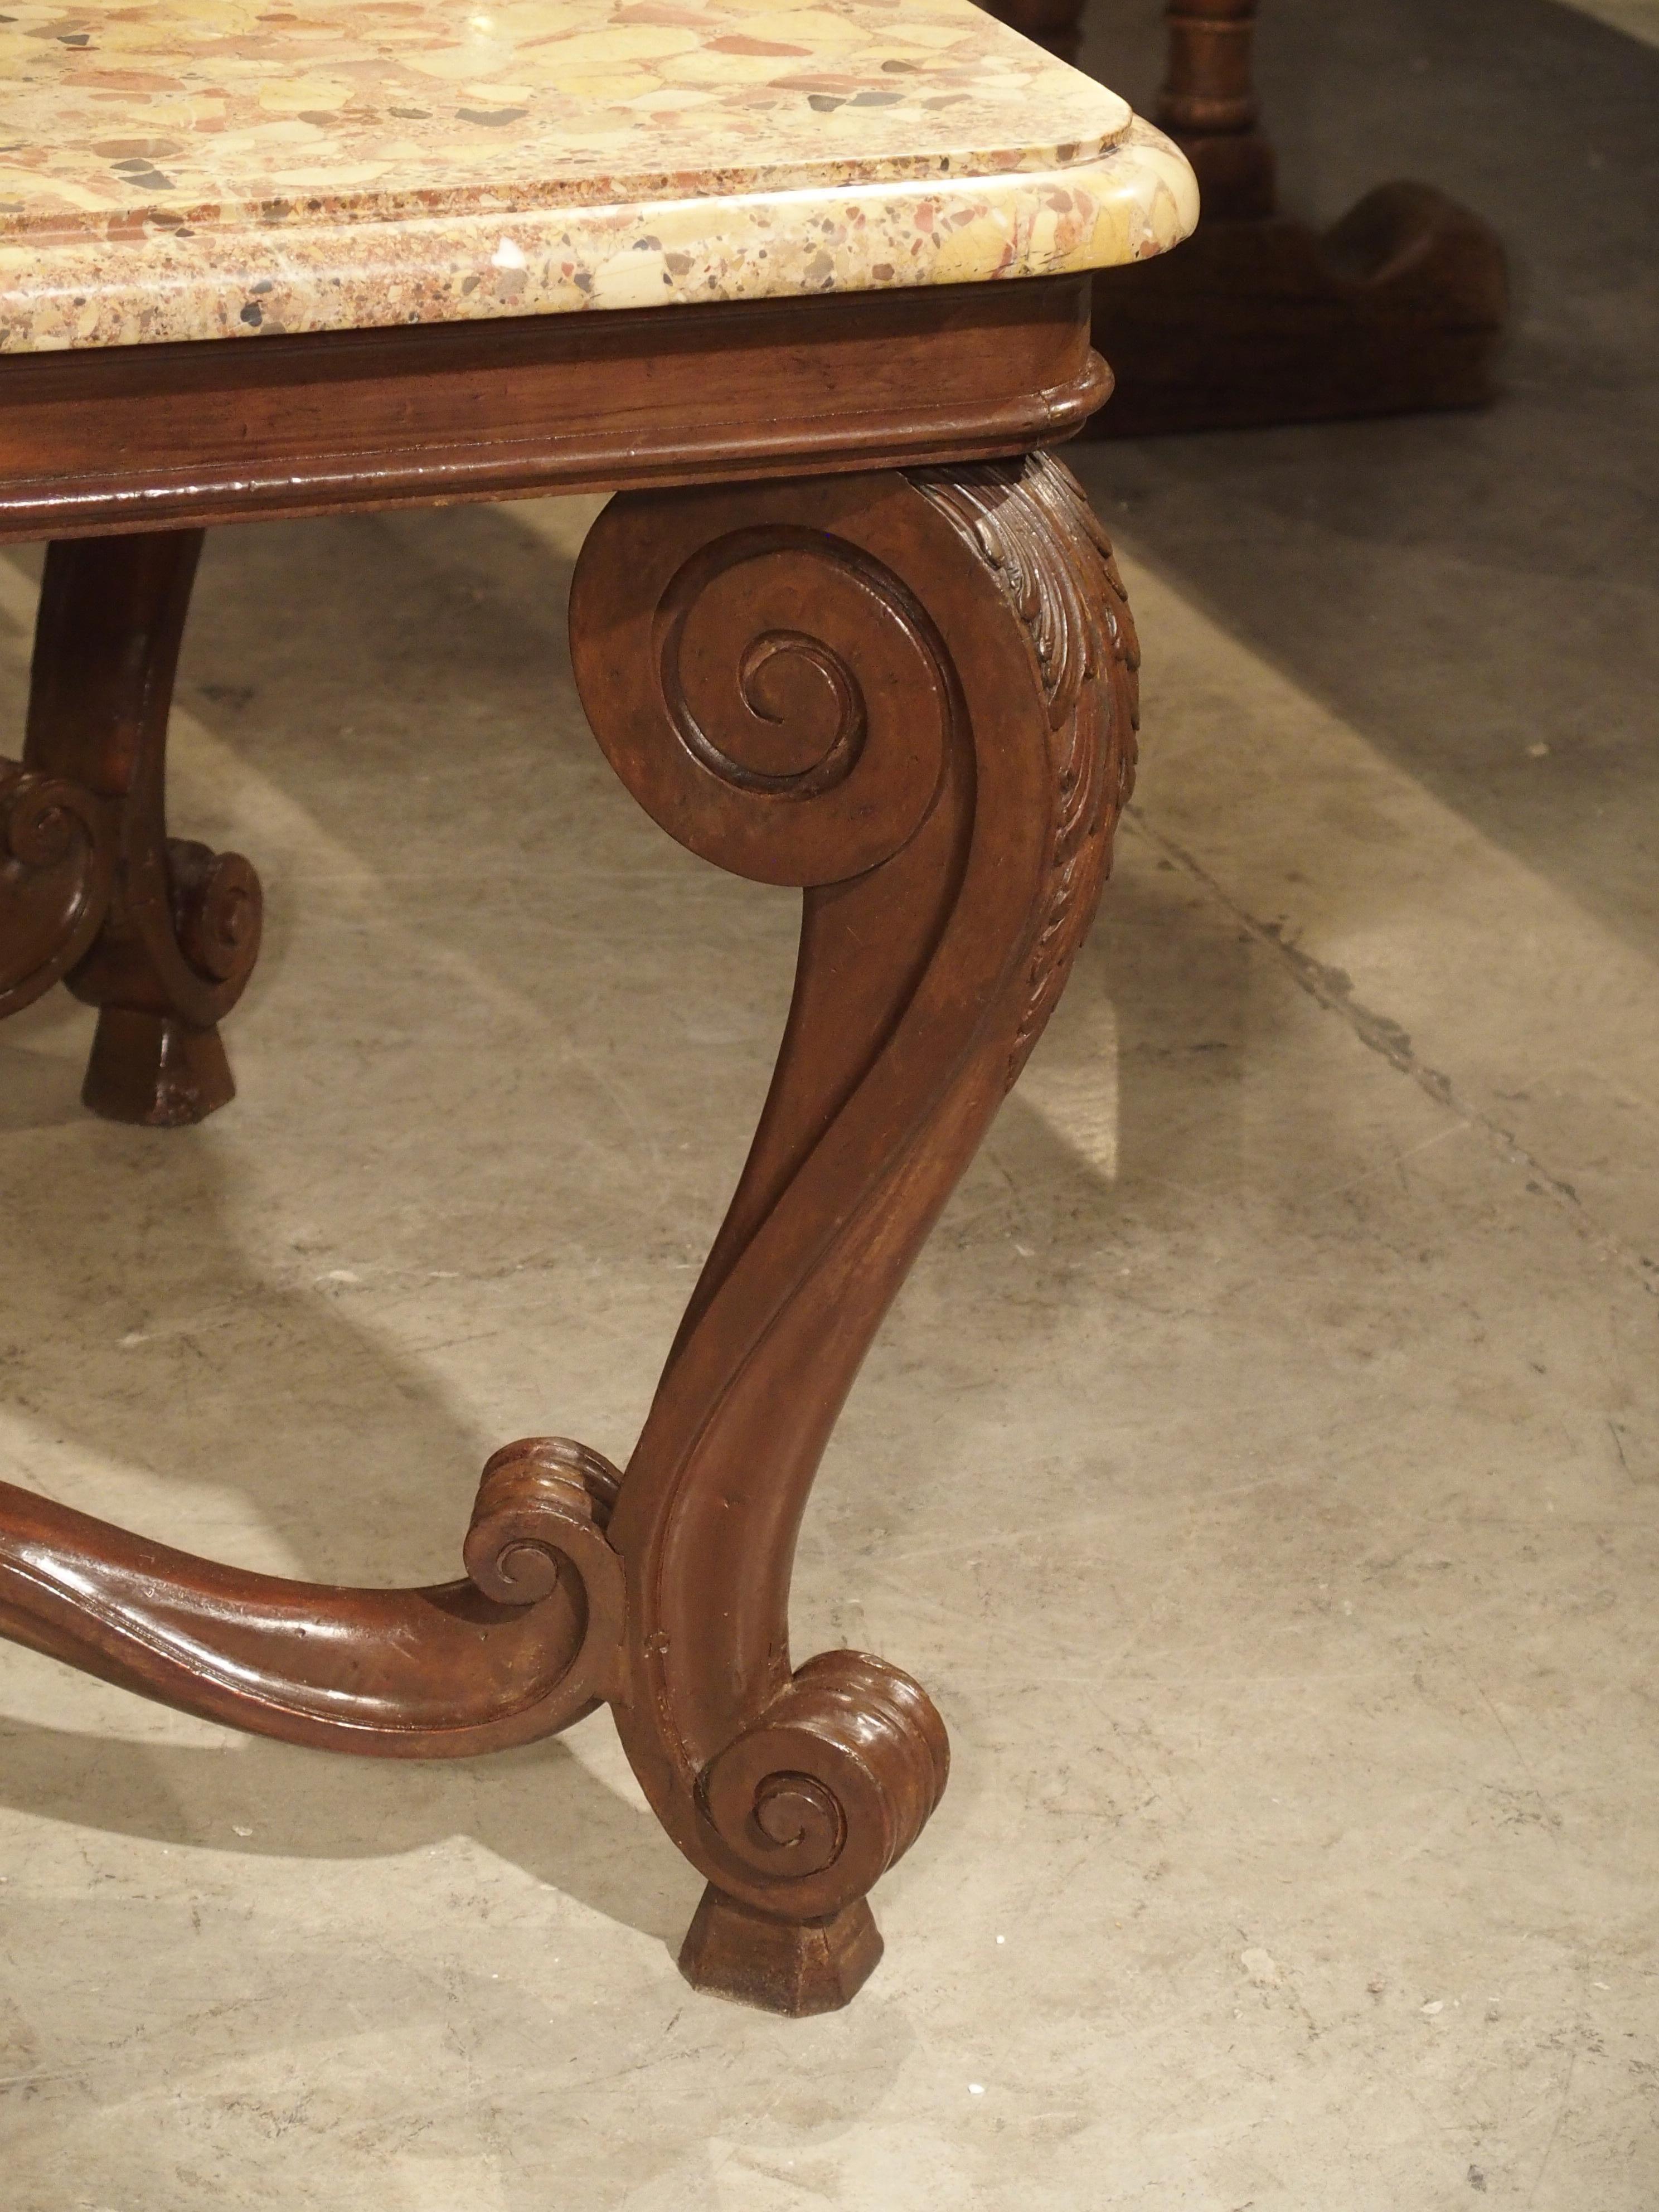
(159, 933)
(1398, 309)
(1261, 319)
(910, 692)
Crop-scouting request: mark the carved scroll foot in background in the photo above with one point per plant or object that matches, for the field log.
(159, 933)
(912, 696)
(56, 862)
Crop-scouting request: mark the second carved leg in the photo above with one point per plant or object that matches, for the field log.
(914, 697)
(159, 933)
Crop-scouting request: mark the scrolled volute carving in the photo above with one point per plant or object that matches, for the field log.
(810, 701)
(959, 633)
(56, 869)
(833, 1784)
(42, 818)
(218, 910)
(807, 690)
(537, 1499)
(542, 1509)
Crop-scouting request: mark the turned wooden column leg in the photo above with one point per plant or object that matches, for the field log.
(1260, 319)
(1208, 104)
(159, 933)
(1207, 100)
(912, 696)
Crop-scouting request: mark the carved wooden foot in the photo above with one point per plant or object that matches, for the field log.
(914, 696)
(792, 1967)
(155, 1071)
(159, 933)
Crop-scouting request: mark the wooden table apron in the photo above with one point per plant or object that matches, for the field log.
(846, 626)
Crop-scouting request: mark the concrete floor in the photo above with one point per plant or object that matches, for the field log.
(1639, 18)
(1288, 1358)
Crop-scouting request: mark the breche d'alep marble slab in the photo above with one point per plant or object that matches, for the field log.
(176, 169)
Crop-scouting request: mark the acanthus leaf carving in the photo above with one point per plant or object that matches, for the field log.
(1032, 523)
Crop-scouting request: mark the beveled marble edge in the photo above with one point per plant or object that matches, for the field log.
(1136, 199)
(233, 114)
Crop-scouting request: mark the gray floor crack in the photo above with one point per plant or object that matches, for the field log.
(1333, 988)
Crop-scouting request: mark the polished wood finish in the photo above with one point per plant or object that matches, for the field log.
(151, 436)
(1208, 104)
(530, 1642)
(909, 693)
(159, 933)
(914, 697)
(1261, 319)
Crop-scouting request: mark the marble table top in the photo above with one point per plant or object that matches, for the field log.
(180, 169)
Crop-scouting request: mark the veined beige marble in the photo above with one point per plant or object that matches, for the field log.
(207, 168)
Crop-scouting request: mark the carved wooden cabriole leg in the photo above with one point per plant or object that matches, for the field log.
(915, 697)
(159, 933)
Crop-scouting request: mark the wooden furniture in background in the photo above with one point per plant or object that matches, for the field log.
(1401, 306)
(845, 626)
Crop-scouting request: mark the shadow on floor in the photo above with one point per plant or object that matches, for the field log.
(539, 1809)
(406, 643)
(1465, 590)
(156, 1344)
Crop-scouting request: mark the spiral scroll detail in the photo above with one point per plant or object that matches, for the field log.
(542, 1509)
(770, 658)
(218, 910)
(806, 688)
(537, 1499)
(834, 1782)
(56, 873)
